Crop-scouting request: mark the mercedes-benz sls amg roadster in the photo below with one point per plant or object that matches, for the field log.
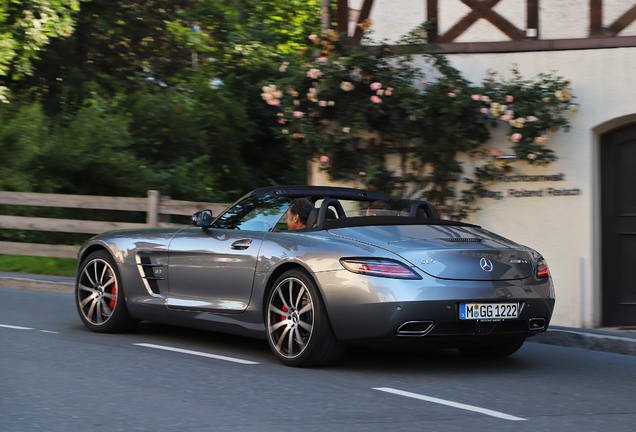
(385, 277)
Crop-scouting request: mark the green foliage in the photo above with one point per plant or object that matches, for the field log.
(25, 27)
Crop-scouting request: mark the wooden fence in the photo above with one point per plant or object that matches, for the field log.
(154, 206)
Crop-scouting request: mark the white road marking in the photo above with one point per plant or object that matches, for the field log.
(49, 331)
(15, 327)
(450, 403)
(196, 353)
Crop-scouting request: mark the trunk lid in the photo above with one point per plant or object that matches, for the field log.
(449, 252)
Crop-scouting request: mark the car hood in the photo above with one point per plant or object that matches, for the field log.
(449, 252)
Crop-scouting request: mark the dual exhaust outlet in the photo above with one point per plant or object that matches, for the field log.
(420, 328)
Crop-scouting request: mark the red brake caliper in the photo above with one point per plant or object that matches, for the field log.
(283, 317)
(114, 299)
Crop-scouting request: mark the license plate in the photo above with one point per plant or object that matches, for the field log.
(474, 311)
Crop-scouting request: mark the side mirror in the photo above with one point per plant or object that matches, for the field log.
(202, 218)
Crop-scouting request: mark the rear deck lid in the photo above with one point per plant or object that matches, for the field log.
(456, 253)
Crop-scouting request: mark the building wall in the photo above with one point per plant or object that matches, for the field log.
(565, 229)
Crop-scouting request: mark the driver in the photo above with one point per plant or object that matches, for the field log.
(297, 213)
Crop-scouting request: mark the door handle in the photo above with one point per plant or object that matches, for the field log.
(241, 244)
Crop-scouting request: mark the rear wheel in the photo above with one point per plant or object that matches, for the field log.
(99, 296)
(494, 351)
(298, 328)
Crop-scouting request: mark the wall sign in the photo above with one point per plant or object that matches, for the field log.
(532, 192)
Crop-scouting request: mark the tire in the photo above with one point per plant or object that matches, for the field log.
(298, 328)
(99, 295)
(494, 351)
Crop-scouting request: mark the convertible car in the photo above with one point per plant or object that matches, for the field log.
(355, 274)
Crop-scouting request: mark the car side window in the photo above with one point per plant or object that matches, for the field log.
(253, 214)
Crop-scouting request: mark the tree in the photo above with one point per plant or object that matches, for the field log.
(25, 28)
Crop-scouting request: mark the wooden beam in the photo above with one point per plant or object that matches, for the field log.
(365, 12)
(494, 18)
(343, 17)
(532, 12)
(432, 16)
(596, 17)
(64, 225)
(626, 19)
(72, 201)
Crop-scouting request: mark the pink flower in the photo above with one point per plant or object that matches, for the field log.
(515, 137)
(322, 103)
(510, 112)
(531, 118)
(509, 98)
(484, 110)
(485, 99)
(274, 102)
(323, 59)
(380, 92)
(298, 114)
(324, 159)
(283, 67)
(376, 86)
(346, 129)
(280, 114)
(476, 97)
(282, 121)
(505, 118)
(312, 37)
(451, 94)
(362, 173)
(346, 86)
(389, 91)
(375, 99)
(314, 73)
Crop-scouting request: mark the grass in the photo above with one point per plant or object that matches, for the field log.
(38, 265)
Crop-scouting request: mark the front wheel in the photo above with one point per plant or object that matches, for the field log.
(495, 351)
(298, 328)
(99, 295)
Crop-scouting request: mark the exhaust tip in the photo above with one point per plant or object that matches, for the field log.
(535, 324)
(415, 328)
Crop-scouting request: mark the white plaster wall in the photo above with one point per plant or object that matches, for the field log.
(558, 19)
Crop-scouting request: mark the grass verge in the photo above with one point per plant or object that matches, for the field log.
(38, 265)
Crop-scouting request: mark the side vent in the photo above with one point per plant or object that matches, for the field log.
(149, 274)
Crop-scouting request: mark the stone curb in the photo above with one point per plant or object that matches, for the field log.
(606, 341)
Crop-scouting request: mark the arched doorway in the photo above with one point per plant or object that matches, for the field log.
(618, 199)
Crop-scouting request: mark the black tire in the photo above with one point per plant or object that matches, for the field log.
(494, 351)
(99, 295)
(298, 328)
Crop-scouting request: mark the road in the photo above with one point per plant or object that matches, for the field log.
(55, 375)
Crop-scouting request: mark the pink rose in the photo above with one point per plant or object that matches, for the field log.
(375, 99)
(312, 37)
(376, 86)
(322, 103)
(274, 102)
(346, 86)
(324, 159)
(298, 114)
(476, 97)
(323, 59)
(451, 94)
(509, 98)
(314, 73)
(531, 118)
(362, 173)
(515, 137)
(484, 110)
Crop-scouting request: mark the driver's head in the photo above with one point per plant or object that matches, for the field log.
(297, 213)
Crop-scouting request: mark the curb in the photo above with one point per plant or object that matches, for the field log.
(37, 282)
(617, 342)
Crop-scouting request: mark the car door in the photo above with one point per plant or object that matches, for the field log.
(212, 269)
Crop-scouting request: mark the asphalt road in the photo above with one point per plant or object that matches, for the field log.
(55, 375)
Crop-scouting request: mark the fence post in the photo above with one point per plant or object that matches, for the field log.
(152, 214)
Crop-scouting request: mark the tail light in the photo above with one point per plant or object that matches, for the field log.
(542, 268)
(379, 267)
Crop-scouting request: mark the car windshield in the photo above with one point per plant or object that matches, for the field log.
(254, 214)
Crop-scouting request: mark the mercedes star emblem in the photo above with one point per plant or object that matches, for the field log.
(486, 265)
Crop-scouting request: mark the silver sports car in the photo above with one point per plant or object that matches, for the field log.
(356, 271)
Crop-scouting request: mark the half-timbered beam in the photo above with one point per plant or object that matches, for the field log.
(364, 14)
(626, 19)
